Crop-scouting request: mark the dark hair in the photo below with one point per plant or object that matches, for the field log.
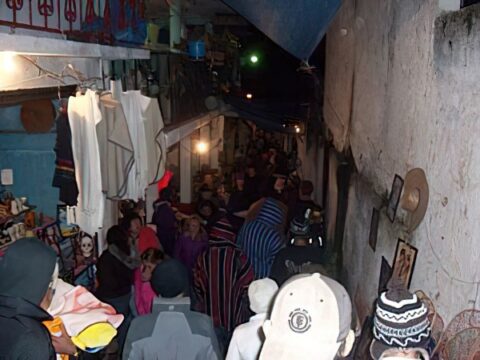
(117, 236)
(127, 220)
(166, 194)
(152, 255)
(306, 187)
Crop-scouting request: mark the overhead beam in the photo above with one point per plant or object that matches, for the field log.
(49, 47)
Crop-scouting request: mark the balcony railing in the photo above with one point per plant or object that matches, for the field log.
(99, 21)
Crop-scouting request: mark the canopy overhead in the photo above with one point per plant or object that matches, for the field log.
(296, 26)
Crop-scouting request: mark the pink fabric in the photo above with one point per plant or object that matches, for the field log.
(144, 294)
(78, 309)
(147, 239)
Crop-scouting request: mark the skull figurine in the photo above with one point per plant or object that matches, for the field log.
(86, 246)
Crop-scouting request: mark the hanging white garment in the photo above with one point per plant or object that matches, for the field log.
(84, 115)
(116, 148)
(145, 124)
(155, 137)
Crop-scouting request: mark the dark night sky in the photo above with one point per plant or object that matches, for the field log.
(275, 77)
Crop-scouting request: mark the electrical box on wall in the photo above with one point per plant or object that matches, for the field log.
(7, 177)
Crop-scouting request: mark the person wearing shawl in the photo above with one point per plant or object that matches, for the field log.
(221, 278)
(263, 237)
(216, 222)
(115, 270)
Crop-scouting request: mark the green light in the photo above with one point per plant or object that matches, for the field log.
(254, 59)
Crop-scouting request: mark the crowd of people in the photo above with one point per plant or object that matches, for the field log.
(203, 285)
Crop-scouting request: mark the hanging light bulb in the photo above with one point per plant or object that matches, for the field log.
(297, 129)
(249, 96)
(201, 147)
(7, 61)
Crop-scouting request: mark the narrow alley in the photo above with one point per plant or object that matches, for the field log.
(239, 180)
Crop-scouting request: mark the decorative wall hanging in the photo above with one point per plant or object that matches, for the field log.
(394, 197)
(372, 237)
(415, 198)
(37, 116)
(404, 262)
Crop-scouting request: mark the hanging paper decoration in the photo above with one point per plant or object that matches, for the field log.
(90, 12)
(70, 11)
(45, 7)
(107, 22)
(15, 4)
(121, 16)
(132, 13)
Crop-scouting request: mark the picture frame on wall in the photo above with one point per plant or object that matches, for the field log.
(385, 275)
(394, 197)
(404, 262)
(372, 237)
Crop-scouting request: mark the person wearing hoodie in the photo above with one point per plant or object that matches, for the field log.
(263, 237)
(26, 291)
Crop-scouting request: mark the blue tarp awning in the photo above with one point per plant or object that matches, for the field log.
(297, 26)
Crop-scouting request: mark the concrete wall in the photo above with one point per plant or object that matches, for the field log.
(414, 104)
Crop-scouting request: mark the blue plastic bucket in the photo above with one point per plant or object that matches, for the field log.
(196, 49)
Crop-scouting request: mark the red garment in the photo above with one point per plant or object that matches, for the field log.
(147, 239)
(164, 181)
(222, 275)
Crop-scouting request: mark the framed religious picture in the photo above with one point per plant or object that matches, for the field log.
(372, 237)
(66, 229)
(404, 262)
(394, 197)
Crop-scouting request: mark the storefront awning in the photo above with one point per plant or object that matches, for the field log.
(296, 26)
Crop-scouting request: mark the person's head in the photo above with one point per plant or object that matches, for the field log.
(261, 294)
(279, 184)
(194, 226)
(239, 180)
(166, 194)
(206, 209)
(305, 190)
(150, 259)
(118, 237)
(28, 270)
(220, 190)
(311, 319)
(401, 320)
(170, 279)
(251, 172)
(132, 224)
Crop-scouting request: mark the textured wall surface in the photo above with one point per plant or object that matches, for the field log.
(32, 159)
(415, 104)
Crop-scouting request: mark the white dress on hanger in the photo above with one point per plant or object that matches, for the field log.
(83, 115)
(145, 124)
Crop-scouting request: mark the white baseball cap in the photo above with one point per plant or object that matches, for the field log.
(311, 318)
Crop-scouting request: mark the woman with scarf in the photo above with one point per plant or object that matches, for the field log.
(115, 270)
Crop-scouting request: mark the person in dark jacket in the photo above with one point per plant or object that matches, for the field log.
(115, 270)
(165, 220)
(27, 276)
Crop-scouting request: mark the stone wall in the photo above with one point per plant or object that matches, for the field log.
(415, 104)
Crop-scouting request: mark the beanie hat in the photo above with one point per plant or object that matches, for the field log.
(401, 320)
(169, 279)
(300, 226)
(26, 270)
(311, 313)
(261, 293)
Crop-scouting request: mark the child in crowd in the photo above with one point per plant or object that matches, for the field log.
(144, 294)
(248, 338)
(191, 243)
